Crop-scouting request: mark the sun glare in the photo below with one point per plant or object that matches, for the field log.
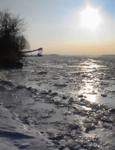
(90, 18)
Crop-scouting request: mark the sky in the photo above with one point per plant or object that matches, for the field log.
(67, 26)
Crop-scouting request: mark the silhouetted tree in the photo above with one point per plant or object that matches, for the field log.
(12, 40)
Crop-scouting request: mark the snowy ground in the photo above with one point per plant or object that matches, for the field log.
(58, 103)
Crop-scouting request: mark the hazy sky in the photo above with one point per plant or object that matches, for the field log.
(67, 26)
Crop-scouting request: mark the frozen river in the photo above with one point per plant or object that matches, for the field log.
(58, 103)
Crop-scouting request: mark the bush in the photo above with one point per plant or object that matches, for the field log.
(12, 41)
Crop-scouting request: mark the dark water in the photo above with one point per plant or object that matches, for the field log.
(54, 94)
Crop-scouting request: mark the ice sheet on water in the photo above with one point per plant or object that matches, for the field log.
(50, 100)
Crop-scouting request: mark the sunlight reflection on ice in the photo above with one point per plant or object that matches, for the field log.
(90, 82)
(89, 65)
(92, 98)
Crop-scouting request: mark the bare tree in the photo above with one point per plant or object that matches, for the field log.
(12, 40)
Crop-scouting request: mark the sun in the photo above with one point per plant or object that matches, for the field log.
(90, 18)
